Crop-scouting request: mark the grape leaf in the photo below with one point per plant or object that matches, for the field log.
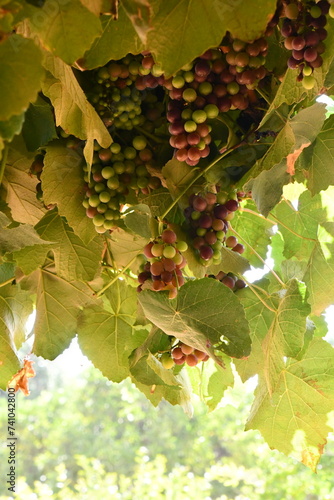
(232, 262)
(178, 176)
(20, 189)
(260, 319)
(319, 276)
(117, 40)
(295, 418)
(63, 184)
(19, 237)
(125, 246)
(21, 73)
(299, 227)
(73, 112)
(316, 162)
(15, 308)
(66, 29)
(159, 201)
(58, 305)
(256, 230)
(182, 397)
(210, 381)
(181, 30)
(11, 127)
(204, 311)
(141, 12)
(137, 219)
(73, 259)
(38, 128)
(7, 272)
(107, 337)
(29, 258)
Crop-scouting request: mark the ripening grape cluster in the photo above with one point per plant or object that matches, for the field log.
(116, 171)
(163, 271)
(208, 217)
(230, 280)
(183, 353)
(304, 32)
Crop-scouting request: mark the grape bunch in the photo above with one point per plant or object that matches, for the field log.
(114, 95)
(208, 217)
(116, 171)
(163, 271)
(230, 280)
(304, 31)
(183, 353)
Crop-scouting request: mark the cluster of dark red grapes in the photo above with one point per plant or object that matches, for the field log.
(230, 280)
(183, 353)
(304, 31)
(208, 217)
(163, 271)
(116, 171)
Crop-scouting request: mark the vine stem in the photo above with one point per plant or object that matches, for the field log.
(7, 282)
(258, 296)
(202, 172)
(3, 162)
(258, 256)
(98, 294)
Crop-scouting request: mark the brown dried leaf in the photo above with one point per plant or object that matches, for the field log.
(20, 379)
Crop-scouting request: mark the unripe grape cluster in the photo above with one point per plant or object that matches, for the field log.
(208, 218)
(304, 31)
(163, 270)
(116, 171)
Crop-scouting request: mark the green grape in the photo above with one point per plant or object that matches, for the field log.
(167, 361)
(113, 183)
(107, 172)
(139, 142)
(199, 116)
(169, 252)
(181, 246)
(105, 196)
(157, 250)
(115, 148)
(98, 220)
(94, 200)
(190, 126)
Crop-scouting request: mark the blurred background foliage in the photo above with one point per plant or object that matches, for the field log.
(83, 437)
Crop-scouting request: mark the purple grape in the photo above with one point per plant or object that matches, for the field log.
(220, 212)
(206, 252)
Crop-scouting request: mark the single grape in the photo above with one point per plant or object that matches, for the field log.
(186, 349)
(169, 252)
(191, 360)
(168, 236)
(206, 252)
(167, 361)
(177, 353)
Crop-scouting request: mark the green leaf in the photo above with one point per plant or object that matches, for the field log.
(178, 176)
(140, 13)
(19, 237)
(15, 308)
(30, 258)
(58, 305)
(118, 38)
(11, 127)
(319, 276)
(73, 112)
(204, 311)
(232, 262)
(73, 259)
(297, 134)
(39, 127)
(159, 201)
(260, 318)
(210, 381)
(316, 162)
(125, 246)
(20, 189)
(63, 184)
(137, 219)
(295, 419)
(21, 74)
(184, 29)
(66, 29)
(256, 230)
(7, 272)
(107, 337)
(299, 227)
